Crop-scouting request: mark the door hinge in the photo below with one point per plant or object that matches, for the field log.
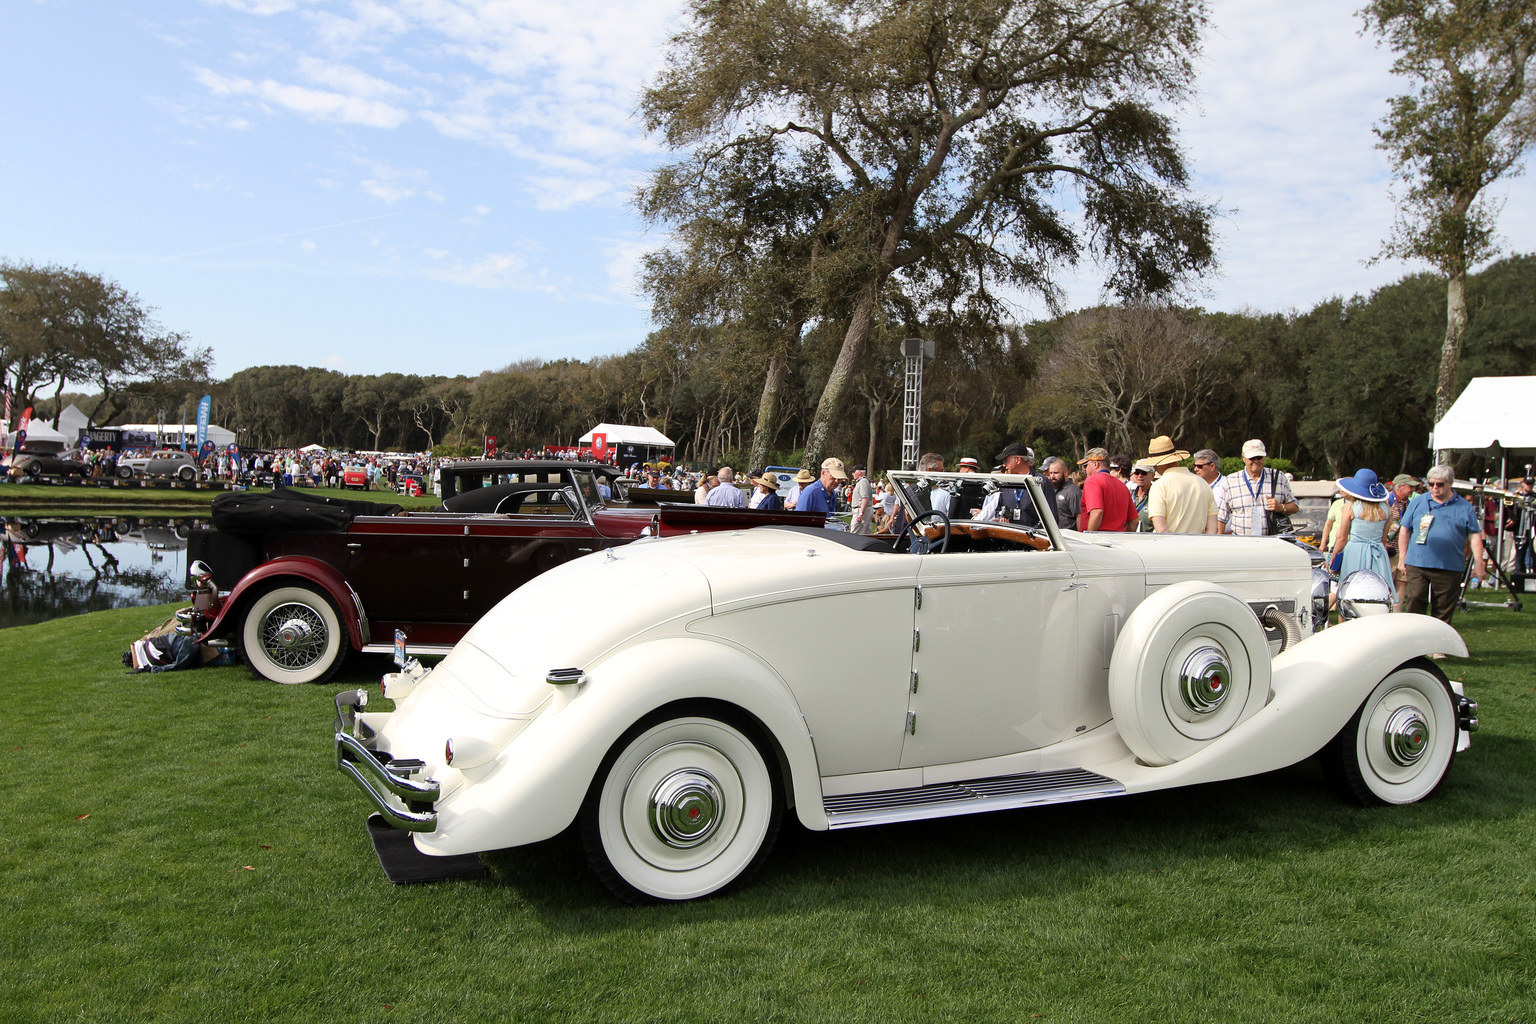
(466, 563)
(466, 595)
(917, 640)
(918, 597)
(912, 723)
(914, 680)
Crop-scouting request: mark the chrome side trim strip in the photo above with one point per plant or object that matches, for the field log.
(973, 797)
(432, 649)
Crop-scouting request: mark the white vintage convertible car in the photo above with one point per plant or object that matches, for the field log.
(675, 697)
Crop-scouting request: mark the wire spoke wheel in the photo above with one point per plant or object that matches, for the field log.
(293, 635)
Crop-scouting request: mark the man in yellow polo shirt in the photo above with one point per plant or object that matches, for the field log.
(1180, 502)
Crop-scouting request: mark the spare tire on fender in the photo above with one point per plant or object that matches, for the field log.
(1191, 663)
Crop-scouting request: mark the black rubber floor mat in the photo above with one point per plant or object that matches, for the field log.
(403, 863)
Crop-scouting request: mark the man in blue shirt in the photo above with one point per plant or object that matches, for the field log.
(821, 496)
(1435, 530)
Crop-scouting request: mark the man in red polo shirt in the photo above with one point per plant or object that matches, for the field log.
(1106, 503)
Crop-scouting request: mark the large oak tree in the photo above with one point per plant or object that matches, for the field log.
(982, 145)
(1467, 122)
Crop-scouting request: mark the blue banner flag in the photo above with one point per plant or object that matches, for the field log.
(203, 408)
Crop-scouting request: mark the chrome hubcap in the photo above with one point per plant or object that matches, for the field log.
(1204, 680)
(1407, 735)
(685, 808)
(293, 636)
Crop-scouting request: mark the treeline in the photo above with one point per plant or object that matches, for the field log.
(1346, 384)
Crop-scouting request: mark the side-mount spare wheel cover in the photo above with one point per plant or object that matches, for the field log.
(1191, 663)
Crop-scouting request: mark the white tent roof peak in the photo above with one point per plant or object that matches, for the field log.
(1492, 412)
(618, 433)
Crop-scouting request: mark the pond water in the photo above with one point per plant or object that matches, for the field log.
(56, 567)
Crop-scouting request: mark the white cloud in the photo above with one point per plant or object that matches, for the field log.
(262, 7)
(391, 184)
(335, 362)
(319, 104)
(435, 254)
(493, 270)
(482, 210)
(563, 193)
(307, 245)
(622, 264)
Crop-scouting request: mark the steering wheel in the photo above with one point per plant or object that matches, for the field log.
(921, 545)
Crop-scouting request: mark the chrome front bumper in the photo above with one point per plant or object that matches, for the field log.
(380, 776)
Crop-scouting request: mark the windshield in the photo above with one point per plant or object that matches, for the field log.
(1003, 498)
(587, 485)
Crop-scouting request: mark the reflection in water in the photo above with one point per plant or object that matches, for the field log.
(59, 567)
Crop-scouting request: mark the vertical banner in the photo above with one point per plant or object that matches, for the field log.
(490, 447)
(183, 424)
(203, 408)
(204, 450)
(21, 428)
(600, 447)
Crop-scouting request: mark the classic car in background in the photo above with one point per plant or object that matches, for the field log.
(1313, 498)
(302, 580)
(702, 690)
(35, 463)
(164, 462)
(354, 478)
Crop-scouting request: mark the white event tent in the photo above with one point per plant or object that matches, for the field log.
(618, 433)
(1493, 416)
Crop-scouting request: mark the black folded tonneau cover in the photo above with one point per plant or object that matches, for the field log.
(265, 513)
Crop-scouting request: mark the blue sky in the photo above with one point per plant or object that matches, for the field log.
(440, 186)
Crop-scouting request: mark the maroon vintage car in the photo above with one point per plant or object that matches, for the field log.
(299, 580)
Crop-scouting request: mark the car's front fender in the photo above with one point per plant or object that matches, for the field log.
(1317, 687)
(537, 785)
(297, 568)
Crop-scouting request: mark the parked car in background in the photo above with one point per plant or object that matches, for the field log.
(33, 463)
(1314, 497)
(162, 462)
(302, 580)
(354, 478)
(411, 484)
(676, 698)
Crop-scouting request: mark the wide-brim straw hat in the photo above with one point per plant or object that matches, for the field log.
(805, 476)
(1162, 451)
(1364, 485)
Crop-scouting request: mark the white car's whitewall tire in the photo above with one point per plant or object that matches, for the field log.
(1191, 663)
(1399, 745)
(293, 635)
(682, 808)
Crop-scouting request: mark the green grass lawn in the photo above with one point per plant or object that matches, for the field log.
(179, 847)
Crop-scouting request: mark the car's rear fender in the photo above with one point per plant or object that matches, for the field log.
(537, 785)
(292, 569)
(1317, 687)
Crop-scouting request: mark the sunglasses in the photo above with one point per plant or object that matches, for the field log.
(1438, 483)
(1203, 465)
(1139, 472)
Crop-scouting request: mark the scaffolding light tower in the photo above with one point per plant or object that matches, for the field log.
(915, 350)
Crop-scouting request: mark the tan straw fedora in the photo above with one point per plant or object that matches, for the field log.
(1162, 451)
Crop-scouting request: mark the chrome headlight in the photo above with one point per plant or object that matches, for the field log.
(1321, 581)
(1363, 593)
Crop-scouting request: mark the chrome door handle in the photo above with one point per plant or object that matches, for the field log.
(1073, 586)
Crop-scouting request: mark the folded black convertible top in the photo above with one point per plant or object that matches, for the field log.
(265, 513)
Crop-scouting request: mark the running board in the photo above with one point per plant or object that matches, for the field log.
(971, 797)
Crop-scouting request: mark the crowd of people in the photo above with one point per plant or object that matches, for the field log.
(1417, 536)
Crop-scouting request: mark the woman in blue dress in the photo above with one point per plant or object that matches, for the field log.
(1362, 531)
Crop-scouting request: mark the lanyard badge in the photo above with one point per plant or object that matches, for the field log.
(1421, 535)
